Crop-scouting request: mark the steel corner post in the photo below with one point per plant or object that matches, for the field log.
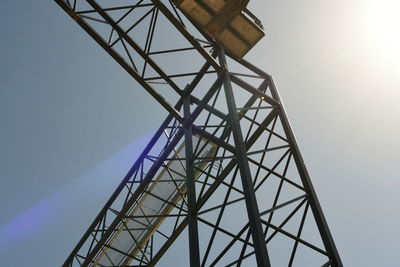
(244, 169)
(194, 248)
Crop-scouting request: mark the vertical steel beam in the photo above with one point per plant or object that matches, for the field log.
(194, 248)
(322, 224)
(244, 168)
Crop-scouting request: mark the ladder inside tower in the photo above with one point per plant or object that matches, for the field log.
(152, 207)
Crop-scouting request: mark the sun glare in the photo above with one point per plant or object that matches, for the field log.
(384, 26)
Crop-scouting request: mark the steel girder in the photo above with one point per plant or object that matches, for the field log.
(225, 152)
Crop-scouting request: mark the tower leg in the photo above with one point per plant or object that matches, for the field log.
(315, 206)
(194, 247)
(244, 168)
(305, 177)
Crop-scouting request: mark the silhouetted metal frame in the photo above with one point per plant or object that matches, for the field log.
(250, 196)
(194, 247)
(314, 202)
(185, 128)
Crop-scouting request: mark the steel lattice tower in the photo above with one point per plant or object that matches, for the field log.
(223, 167)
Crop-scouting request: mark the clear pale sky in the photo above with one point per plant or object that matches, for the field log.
(72, 121)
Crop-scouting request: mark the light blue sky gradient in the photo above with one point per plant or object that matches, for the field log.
(71, 118)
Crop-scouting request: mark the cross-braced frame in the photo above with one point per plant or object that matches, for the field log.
(224, 166)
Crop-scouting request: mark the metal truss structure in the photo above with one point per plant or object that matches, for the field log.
(223, 167)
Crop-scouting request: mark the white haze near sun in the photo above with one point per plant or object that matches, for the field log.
(349, 54)
(337, 65)
(383, 30)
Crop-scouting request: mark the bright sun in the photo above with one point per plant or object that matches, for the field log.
(384, 26)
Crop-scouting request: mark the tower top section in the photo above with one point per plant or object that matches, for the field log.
(228, 22)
